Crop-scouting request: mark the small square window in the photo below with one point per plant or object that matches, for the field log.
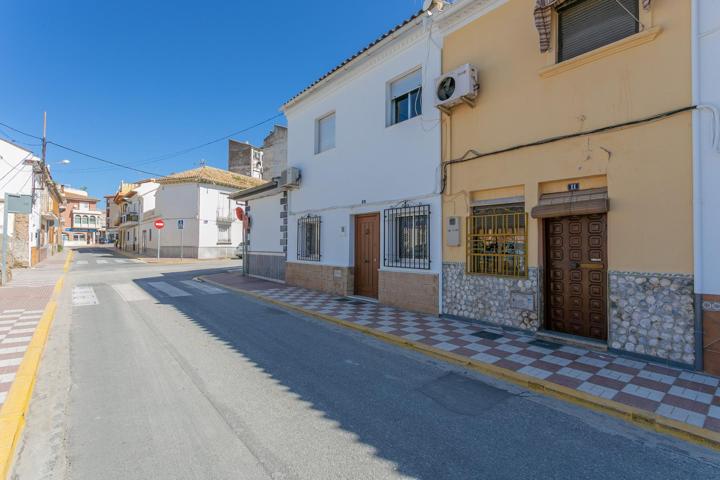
(308, 233)
(325, 133)
(406, 97)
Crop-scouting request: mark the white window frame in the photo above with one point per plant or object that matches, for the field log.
(318, 143)
(392, 97)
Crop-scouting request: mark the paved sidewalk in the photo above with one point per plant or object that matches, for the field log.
(168, 261)
(22, 303)
(679, 395)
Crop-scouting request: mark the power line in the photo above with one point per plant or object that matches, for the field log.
(165, 156)
(94, 157)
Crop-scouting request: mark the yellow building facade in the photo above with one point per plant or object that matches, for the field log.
(570, 233)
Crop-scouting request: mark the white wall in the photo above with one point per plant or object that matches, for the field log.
(265, 225)
(708, 44)
(17, 179)
(373, 166)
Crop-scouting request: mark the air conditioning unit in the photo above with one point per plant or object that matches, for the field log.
(458, 86)
(290, 177)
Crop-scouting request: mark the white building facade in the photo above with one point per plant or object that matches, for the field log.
(706, 144)
(200, 218)
(366, 218)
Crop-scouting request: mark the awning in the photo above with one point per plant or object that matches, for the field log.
(565, 204)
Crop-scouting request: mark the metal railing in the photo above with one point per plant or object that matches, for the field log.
(224, 216)
(497, 244)
(407, 237)
(308, 240)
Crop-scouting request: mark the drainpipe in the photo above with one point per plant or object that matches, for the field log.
(697, 185)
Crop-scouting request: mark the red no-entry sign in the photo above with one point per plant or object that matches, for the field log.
(159, 224)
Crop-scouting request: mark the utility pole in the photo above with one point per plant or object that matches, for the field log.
(44, 140)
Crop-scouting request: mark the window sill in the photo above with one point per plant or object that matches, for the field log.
(640, 38)
(224, 243)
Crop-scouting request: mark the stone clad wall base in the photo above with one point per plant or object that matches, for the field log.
(653, 314)
(410, 291)
(509, 302)
(326, 278)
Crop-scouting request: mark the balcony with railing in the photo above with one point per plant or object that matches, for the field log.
(224, 216)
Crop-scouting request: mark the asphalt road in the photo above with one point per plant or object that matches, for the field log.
(150, 375)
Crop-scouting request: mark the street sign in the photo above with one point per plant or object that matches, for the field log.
(240, 213)
(159, 224)
(181, 224)
(18, 203)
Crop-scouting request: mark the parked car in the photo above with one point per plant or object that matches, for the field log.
(239, 250)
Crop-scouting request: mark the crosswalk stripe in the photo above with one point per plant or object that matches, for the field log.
(121, 260)
(203, 287)
(83, 296)
(81, 262)
(168, 289)
(130, 292)
(102, 262)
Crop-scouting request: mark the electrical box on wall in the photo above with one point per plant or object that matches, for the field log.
(452, 232)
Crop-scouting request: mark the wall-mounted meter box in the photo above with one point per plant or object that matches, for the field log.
(452, 231)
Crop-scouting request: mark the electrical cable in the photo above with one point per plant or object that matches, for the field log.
(165, 156)
(474, 155)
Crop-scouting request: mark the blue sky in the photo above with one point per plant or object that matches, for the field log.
(132, 80)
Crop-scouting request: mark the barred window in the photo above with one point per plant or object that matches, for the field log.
(407, 237)
(497, 241)
(308, 238)
(223, 234)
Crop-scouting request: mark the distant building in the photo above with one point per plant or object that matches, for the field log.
(245, 159)
(82, 219)
(200, 218)
(33, 236)
(266, 162)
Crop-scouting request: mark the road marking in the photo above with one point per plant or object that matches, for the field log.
(203, 287)
(169, 290)
(81, 262)
(83, 296)
(121, 260)
(102, 261)
(130, 292)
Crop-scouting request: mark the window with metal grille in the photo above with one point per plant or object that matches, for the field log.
(407, 237)
(584, 25)
(497, 241)
(308, 241)
(223, 234)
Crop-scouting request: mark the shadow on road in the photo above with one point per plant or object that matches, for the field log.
(429, 422)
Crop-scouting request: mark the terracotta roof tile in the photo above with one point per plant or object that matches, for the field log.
(213, 176)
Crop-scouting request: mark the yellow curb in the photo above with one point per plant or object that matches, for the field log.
(14, 410)
(642, 418)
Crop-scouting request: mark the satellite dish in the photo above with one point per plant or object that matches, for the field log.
(430, 5)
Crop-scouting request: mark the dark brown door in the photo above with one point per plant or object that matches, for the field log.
(367, 254)
(576, 275)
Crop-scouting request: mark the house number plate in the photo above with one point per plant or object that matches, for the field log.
(522, 301)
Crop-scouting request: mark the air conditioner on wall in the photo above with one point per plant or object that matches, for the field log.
(290, 177)
(459, 86)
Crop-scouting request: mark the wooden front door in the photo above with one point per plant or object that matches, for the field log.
(576, 275)
(367, 254)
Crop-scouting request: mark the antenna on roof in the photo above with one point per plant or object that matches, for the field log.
(202, 162)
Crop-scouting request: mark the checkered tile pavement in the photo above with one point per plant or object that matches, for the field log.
(22, 303)
(16, 331)
(677, 394)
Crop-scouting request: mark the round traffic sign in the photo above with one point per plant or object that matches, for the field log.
(159, 224)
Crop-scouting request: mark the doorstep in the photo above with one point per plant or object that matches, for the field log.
(665, 399)
(572, 340)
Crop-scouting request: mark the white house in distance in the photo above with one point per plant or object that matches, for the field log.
(366, 218)
(200, 218)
